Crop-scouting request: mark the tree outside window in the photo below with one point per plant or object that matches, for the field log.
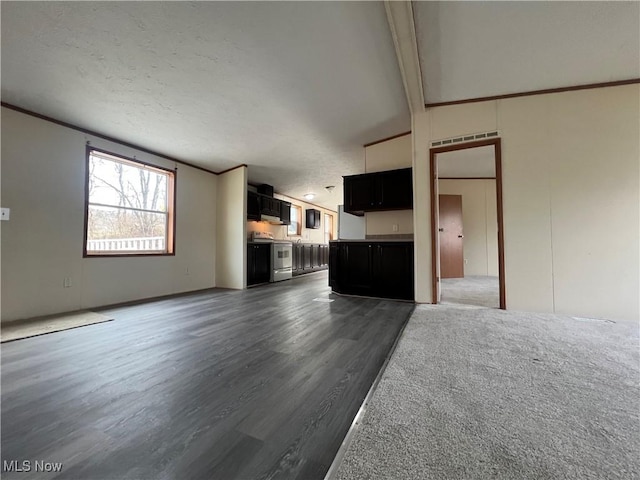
(129, 207)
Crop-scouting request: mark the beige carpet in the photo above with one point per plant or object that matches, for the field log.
(475, 290)
(476, 393)
(42, 325)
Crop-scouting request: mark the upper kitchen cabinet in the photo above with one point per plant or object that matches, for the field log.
(266, 207)
(269, 206)
(313, 218)
(253, 206)
(379, 191)
(285, 212)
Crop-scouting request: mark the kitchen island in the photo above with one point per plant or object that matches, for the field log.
(372, 268)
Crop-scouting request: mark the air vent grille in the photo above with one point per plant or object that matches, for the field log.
(465, 138)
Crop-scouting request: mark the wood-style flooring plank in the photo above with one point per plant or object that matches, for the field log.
(262, 383)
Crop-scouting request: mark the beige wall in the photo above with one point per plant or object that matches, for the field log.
(43, 178)
(389, 155)
(570, 164)
(308, 235)
(231, 251)
(480, 224)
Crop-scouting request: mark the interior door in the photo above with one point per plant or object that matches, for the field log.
(451, 236)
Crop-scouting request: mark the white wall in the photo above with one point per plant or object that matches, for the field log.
(389, 155)
(570, 164)
(480, 224)
(307, 235)
(231, 251)
(43, 182)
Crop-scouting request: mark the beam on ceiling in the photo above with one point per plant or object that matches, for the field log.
(403, 31)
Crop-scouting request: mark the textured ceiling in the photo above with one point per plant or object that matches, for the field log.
(291, 89)
(478, 49)
(467, 163)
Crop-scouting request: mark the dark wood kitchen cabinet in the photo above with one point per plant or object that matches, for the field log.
(315, 256)
(359, 194)
(285, 212)
(309, 257)
(258, 263)
(376, 269)
(296, 258)
(392, 270)
(259, 204)
(324, 255)
(358, 268)
(379, 191)
(253, 206)
(313, 218)
(306, 256)
(270, 206)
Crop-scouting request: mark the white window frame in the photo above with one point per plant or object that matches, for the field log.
(169, 241)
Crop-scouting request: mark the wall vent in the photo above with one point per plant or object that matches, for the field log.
(465, 138)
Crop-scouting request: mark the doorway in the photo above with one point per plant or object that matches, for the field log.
(466, 224)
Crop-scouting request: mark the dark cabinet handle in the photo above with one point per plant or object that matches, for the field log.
(460, 236)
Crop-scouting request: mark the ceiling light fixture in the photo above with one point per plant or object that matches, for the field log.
(309, 196)
(330, 188)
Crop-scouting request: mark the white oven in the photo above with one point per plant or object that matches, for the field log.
(281, 261)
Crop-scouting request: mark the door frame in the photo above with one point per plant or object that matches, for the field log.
(497, 144)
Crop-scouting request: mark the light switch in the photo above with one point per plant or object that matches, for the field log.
(6, 212)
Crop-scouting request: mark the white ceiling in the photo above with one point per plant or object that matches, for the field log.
(291, 89)
(468, 163)
(479, 49)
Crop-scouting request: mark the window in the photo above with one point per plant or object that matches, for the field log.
(328, 227)
(129, 207)
(295, 227)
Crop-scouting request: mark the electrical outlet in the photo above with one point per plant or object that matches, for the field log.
(395, 227)
(67, 282)
(5, 213)
(466, 261)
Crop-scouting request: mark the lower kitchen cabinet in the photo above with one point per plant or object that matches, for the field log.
(310, 257)
(375, 269)
(258, 263)
(324, 255)
(306, 257)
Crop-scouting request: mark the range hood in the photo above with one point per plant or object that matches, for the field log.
(271, 219)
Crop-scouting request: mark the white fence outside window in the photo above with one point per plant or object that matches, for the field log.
(142, 244)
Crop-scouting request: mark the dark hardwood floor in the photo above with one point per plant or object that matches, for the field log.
(262, 383)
